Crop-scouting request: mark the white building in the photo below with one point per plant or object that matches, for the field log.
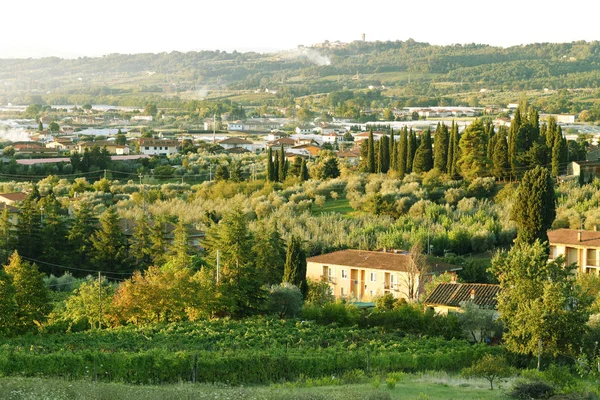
(153, 147)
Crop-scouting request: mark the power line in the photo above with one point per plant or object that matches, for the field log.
(75, 268)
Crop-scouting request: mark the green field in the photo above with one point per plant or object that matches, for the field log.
(341, 206)
(418, 387)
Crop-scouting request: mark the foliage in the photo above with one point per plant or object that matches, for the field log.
(285, 300)
(531, 390)
(489, 367)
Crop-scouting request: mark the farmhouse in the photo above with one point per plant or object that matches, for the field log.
(360, 274)
(577, 246)
(448, 297)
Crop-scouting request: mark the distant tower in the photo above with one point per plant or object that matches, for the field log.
(363, 37)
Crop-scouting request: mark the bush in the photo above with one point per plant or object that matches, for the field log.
(560, 377)
(390, 383)
(531, 390)
(285, 300)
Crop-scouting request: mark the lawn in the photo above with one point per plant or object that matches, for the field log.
(341, 206)
(418, 387)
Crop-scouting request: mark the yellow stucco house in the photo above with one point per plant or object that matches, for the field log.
(364, 275)
(577, 246)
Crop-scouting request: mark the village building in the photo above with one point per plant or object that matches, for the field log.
(360, 274)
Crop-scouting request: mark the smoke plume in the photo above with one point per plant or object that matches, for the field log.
(308, 54)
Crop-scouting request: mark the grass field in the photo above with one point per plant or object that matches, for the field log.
(341, 206)
(418, 387)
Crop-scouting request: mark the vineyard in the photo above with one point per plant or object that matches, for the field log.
(233, 352)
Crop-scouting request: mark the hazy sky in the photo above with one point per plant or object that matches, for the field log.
(69, 28)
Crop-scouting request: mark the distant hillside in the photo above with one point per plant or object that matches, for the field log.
(116, 77)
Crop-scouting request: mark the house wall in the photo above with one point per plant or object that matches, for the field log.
(158, 150)
(586, 258)
(362, 283)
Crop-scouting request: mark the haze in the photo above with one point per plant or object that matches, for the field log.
(68, 28)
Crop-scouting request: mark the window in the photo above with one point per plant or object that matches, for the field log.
(392, 279)
(373, 276)
(344, 274)
(146, 148)
(341, 291)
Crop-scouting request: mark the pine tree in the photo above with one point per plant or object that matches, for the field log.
(270, 254)
(423, 161)
(440, 147)
(371, 154)
(140, 244)
(296, 167)
(401, 152)
(295, 265)
(81, 232)
(40, 127)
(179, 251)
(54, 233)
(29, 229)
(534, 209)
(158, 242)
(109, 242)
(31, 295)
(8, 304)
(501, 166)
(7, 239)
(472, 161)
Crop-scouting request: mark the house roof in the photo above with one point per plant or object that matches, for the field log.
(234, 140)
(11, 209)
(284, 141)
(237, 150)
(376, 260)
(452, 294)
(158, 142)
(587, 163)
(571, 236)
(18, 196)
(348, 154)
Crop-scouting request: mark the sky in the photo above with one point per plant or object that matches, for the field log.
(70, 29)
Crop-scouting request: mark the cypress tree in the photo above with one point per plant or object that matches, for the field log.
(500, 156)
(491, 143)
(535, 207)
(423, 161)
(515, 126)
(384, 155)
(564, 155)
(371, 154)
(393, 155)
(270, 166)
(294, 270)
(551, 132)
(276, 167)
(401, 152)
(556, 150)
(472, 160)
(440, 158)
(410, 151)
(304, 171)
(282, 172)
(450, 157)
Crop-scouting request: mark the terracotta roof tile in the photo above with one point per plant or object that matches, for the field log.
(452, 294)
(571, 237)
(377, 260)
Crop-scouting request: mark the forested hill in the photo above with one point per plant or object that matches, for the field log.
(310, 70)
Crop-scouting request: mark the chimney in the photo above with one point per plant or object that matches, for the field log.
(472, 294)
(579, 233)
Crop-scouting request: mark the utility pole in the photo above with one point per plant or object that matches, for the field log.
(104, 174)
(99, 301)
(218, 261)
(214, 127)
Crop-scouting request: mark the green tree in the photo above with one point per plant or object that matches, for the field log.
(304, 175)
(393, 155)
(296, 166)
(410, 151)
(383, 164)
(40, 127)
(29, 229)
(180, 251)
(90, 303)
(295, 265)
(109, 245)
(54, 233)
(283, 165)
(150, 109)
(54, 127)
(371, 154)
(285, 300)
(140, 243)
(158, 241)
(489, 367)
(542, 308)
(81, 232)
(270, 254)
(120, 139)
(401, 150)
(270, 166)
(8, 304)
(222, 173)
(7, 236)
(423, 161)
(453, 151)
(440, 147)
(534, 209)
(500, 165)
(31, 295)
(472, 161)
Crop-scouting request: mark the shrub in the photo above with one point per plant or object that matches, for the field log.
(390, 383)
(532, 390)
(489, 367)
(285, 300)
